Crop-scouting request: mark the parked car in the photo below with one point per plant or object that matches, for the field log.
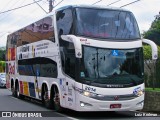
(2, 80)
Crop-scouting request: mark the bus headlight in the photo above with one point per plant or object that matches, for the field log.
(139, 93)
(89, 94)
(86, 93)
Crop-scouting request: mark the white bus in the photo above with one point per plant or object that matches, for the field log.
(84, 58)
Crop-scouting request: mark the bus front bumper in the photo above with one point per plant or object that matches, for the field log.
(84, 103)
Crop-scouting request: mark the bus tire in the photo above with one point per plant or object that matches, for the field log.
(56, 100)
(48, 103)
(12, 89)
(17, 94)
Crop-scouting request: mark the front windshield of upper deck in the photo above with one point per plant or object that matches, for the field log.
(106, 24)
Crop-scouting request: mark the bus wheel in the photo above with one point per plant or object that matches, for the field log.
(13, 91)
(45, 99)
(12, 88)
(17, 94)
(56, 100)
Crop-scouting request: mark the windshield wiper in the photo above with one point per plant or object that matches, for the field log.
(91, 81)
(133, 81)
(111, 76)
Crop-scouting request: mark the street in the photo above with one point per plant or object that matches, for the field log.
(9, 103)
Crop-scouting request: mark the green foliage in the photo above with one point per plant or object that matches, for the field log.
(2, 54)
(2, 66)
(156, 25)
(151, 89)
(148, 52)
(154, 32)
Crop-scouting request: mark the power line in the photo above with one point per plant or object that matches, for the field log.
(3, 34)
(19, 7)
(96, 2)
(40, 6)
(58, 4)
(6, 15)
(6, 4)
(130, 3)
(28, 19)
(9, 6)
(113, 2)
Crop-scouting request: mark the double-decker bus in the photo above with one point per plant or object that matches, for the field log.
(84, 58)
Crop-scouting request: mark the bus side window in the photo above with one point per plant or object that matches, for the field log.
(64, 25)
(64, 22)
(48, 29)
(40, 67)
(68, 59)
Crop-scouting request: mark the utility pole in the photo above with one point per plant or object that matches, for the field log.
(50, 5)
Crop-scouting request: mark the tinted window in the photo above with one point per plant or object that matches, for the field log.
(68, 59)
(103, 23)
(37, 31)
(42, 67)
(64, 21)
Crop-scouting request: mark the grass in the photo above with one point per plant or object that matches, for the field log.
(151, 89)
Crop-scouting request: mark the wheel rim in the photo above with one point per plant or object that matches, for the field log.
(17, 91)
(56, 100)
(12, 89)
(45, 96)
(13, 92)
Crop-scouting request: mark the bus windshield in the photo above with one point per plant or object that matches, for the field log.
(106, 24)
(112, 66)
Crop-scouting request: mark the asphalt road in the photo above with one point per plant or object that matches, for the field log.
(14, 105)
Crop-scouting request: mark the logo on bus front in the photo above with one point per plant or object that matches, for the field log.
(116, 97)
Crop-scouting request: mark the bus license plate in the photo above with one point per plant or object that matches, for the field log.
(112, 106)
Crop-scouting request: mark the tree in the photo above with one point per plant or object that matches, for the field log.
(154, 32)
(2, 54)
(2, 66)
(148, 52)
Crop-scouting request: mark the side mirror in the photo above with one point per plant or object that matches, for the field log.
(76, 42)
(154, 48)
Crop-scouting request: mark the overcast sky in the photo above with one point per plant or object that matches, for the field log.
(144, 11)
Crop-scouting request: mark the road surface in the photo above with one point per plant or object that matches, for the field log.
(33, 107)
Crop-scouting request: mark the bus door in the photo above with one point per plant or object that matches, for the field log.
(70, 78)
(70, 100)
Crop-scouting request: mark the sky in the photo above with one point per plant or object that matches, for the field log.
(144, 11)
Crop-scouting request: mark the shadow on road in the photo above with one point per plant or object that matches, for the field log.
(99, 115)
(87, 115)
(82, 115)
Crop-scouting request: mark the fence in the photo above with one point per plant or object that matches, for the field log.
(152, 73)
